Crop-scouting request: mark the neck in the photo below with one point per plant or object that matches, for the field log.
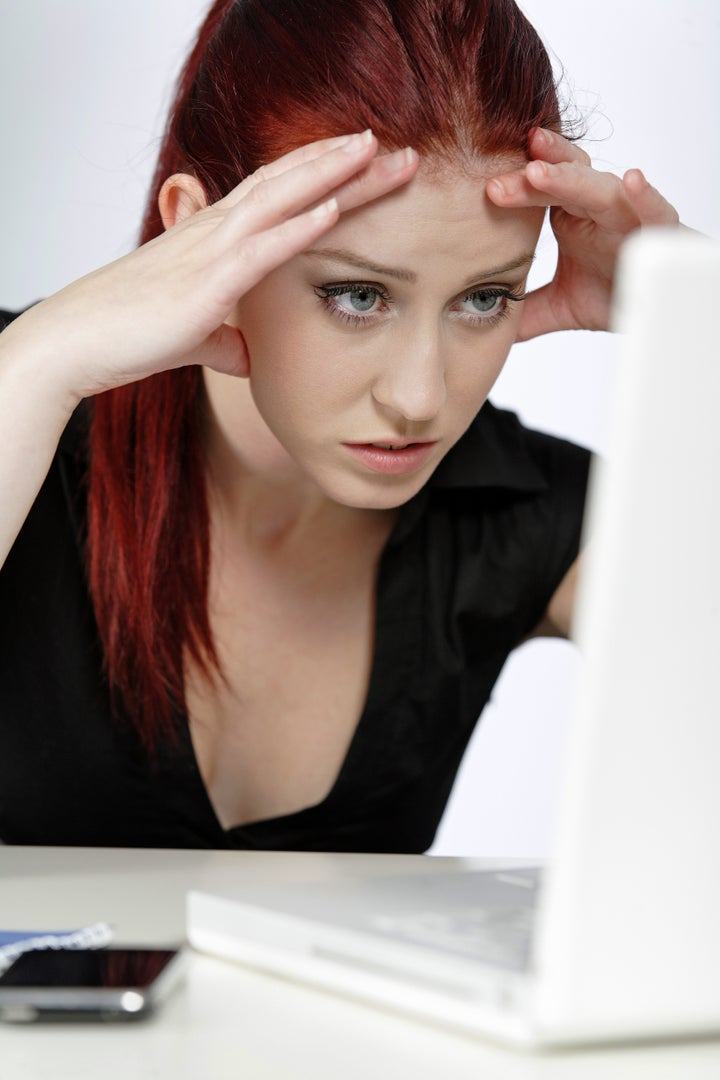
(258, 494)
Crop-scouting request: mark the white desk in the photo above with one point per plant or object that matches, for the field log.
(228, 1022)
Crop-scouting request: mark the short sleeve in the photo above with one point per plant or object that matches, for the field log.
(503, 527)
(561, 511)
(6, 317)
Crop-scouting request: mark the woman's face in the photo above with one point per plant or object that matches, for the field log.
(371, 352)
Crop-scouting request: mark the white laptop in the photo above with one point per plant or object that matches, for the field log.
(619, 937)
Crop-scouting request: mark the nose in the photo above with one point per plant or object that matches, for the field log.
(411, 383)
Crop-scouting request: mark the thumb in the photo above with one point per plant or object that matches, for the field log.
(224, 350)
(537, 316)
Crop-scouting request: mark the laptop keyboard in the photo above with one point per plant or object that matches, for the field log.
(485, 916)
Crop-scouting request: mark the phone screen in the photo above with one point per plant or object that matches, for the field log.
(88, 968)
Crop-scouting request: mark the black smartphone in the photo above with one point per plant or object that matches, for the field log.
(88, 984)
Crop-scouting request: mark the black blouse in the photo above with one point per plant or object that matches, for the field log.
(466, 575)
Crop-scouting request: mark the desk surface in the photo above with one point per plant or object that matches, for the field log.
(229, 1022)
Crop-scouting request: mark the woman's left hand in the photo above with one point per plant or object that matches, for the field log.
(591, 214)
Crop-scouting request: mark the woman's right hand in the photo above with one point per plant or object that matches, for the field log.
(164, 305)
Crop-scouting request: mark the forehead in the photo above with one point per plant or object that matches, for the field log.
(442, 220)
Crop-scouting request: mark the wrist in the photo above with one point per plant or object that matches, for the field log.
(30, 366)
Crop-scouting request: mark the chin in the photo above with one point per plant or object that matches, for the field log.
(377, 493)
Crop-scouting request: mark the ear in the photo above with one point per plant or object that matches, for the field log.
(180, 197)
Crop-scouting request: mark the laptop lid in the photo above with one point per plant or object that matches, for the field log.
(628, 937)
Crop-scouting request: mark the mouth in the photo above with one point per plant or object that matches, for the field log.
(394, 446)
(392, 457)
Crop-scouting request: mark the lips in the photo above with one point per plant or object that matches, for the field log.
(392, 458)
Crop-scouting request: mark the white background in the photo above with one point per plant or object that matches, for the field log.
(84, 86)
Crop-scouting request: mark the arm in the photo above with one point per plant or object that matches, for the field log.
(591, 214)
(33, 414)
(165, 305)
(558, 617)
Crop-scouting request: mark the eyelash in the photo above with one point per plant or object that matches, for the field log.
(327, 293)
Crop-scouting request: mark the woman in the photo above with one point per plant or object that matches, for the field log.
(284, 548)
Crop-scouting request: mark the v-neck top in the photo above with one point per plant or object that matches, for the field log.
(467, 573)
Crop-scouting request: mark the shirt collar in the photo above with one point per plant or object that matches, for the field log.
(494, 453)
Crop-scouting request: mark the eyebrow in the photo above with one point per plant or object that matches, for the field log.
(341, 255)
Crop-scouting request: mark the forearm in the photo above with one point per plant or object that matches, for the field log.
(34, 410)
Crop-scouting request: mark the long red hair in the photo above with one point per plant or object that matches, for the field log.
(447, 77)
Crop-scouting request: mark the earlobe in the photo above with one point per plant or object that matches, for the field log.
(180, 197)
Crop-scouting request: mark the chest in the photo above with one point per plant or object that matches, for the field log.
(296, 649)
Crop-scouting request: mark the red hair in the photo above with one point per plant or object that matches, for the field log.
(451, 78)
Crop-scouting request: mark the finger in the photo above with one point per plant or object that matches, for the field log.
(552, 147)
(288, 193)
(545, 145)
(647, 202)
(308, 152)
(537, 316)
(336, 163)
(578, 189)
(545, 311)
(247, 263)
(570, 184)
(276, 198)
(382, 175)
(513, 189)
(223, 350)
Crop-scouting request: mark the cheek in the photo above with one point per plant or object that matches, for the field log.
(473, 375)
(286, 352)
(291, 388)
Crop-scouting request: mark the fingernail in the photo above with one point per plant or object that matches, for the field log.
(324, 209)
(497, 186)
(507, 187)
(540, 168)
(399, 159)
(635, 181)
(542, 136)
(358, 142)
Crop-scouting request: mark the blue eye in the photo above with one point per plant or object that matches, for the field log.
(485, 306)
(362, 299)
(353, 302)
(484, 303)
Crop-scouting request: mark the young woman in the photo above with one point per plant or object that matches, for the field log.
(266, 545)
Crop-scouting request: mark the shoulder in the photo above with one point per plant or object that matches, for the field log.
(7, 316)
